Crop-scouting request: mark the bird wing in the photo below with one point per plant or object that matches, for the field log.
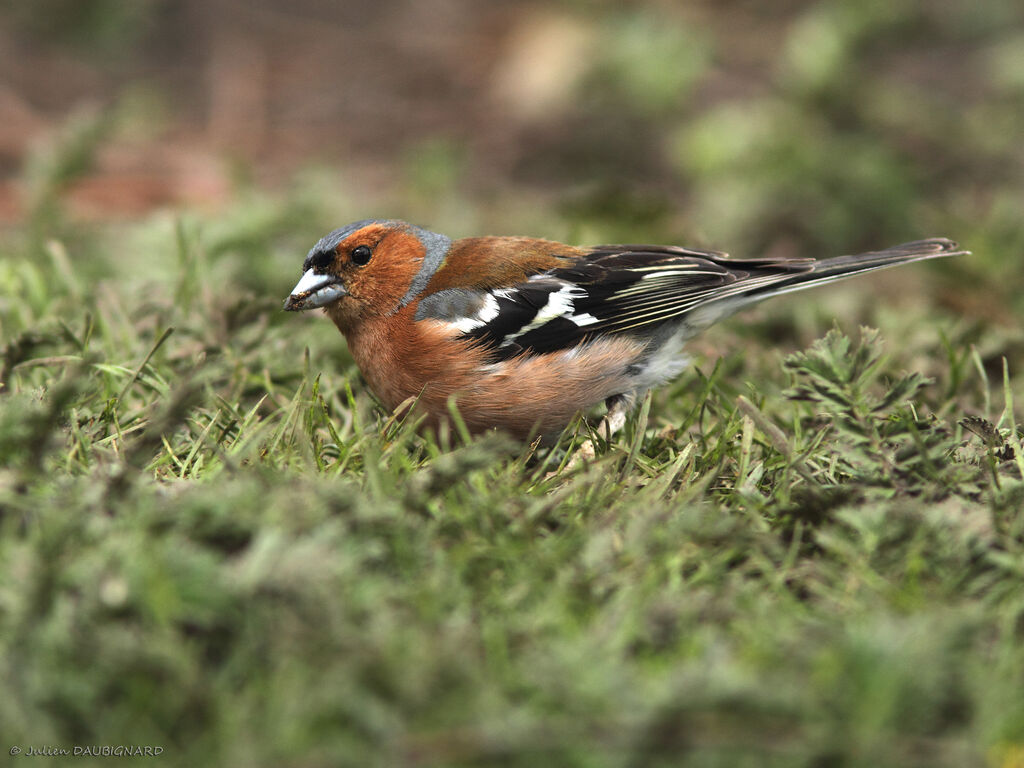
(610, 290)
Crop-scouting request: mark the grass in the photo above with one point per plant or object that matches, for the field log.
(216, 542)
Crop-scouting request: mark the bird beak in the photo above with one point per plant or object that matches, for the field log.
(314, 291)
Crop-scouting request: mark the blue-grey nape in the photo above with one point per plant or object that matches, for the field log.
(435, 249)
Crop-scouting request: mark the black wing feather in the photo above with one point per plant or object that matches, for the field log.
(615, 289)
(638, 288)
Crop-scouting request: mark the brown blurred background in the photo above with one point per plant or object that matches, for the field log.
(786, 126)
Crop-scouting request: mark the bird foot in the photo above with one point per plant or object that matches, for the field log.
(618, 408)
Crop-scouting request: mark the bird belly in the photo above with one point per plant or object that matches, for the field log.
(665, 358)
(525, 395)
(540, 394)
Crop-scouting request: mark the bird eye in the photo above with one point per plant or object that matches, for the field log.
(361, 255)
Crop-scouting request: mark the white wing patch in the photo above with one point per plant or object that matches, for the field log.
(484, 315)
(560, 303)
(584, 318)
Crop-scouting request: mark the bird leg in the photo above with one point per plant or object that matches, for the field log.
(619, 407)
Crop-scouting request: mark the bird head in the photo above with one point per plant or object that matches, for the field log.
(371, 267)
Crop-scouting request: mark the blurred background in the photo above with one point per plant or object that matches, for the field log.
(800, 126)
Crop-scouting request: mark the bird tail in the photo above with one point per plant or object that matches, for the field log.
(766, 279)
(839, 267)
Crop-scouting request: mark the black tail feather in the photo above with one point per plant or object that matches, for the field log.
(839, 267)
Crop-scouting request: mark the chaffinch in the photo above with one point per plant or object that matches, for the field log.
(525, 333)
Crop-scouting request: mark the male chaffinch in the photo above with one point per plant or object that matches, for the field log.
(524, 332)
